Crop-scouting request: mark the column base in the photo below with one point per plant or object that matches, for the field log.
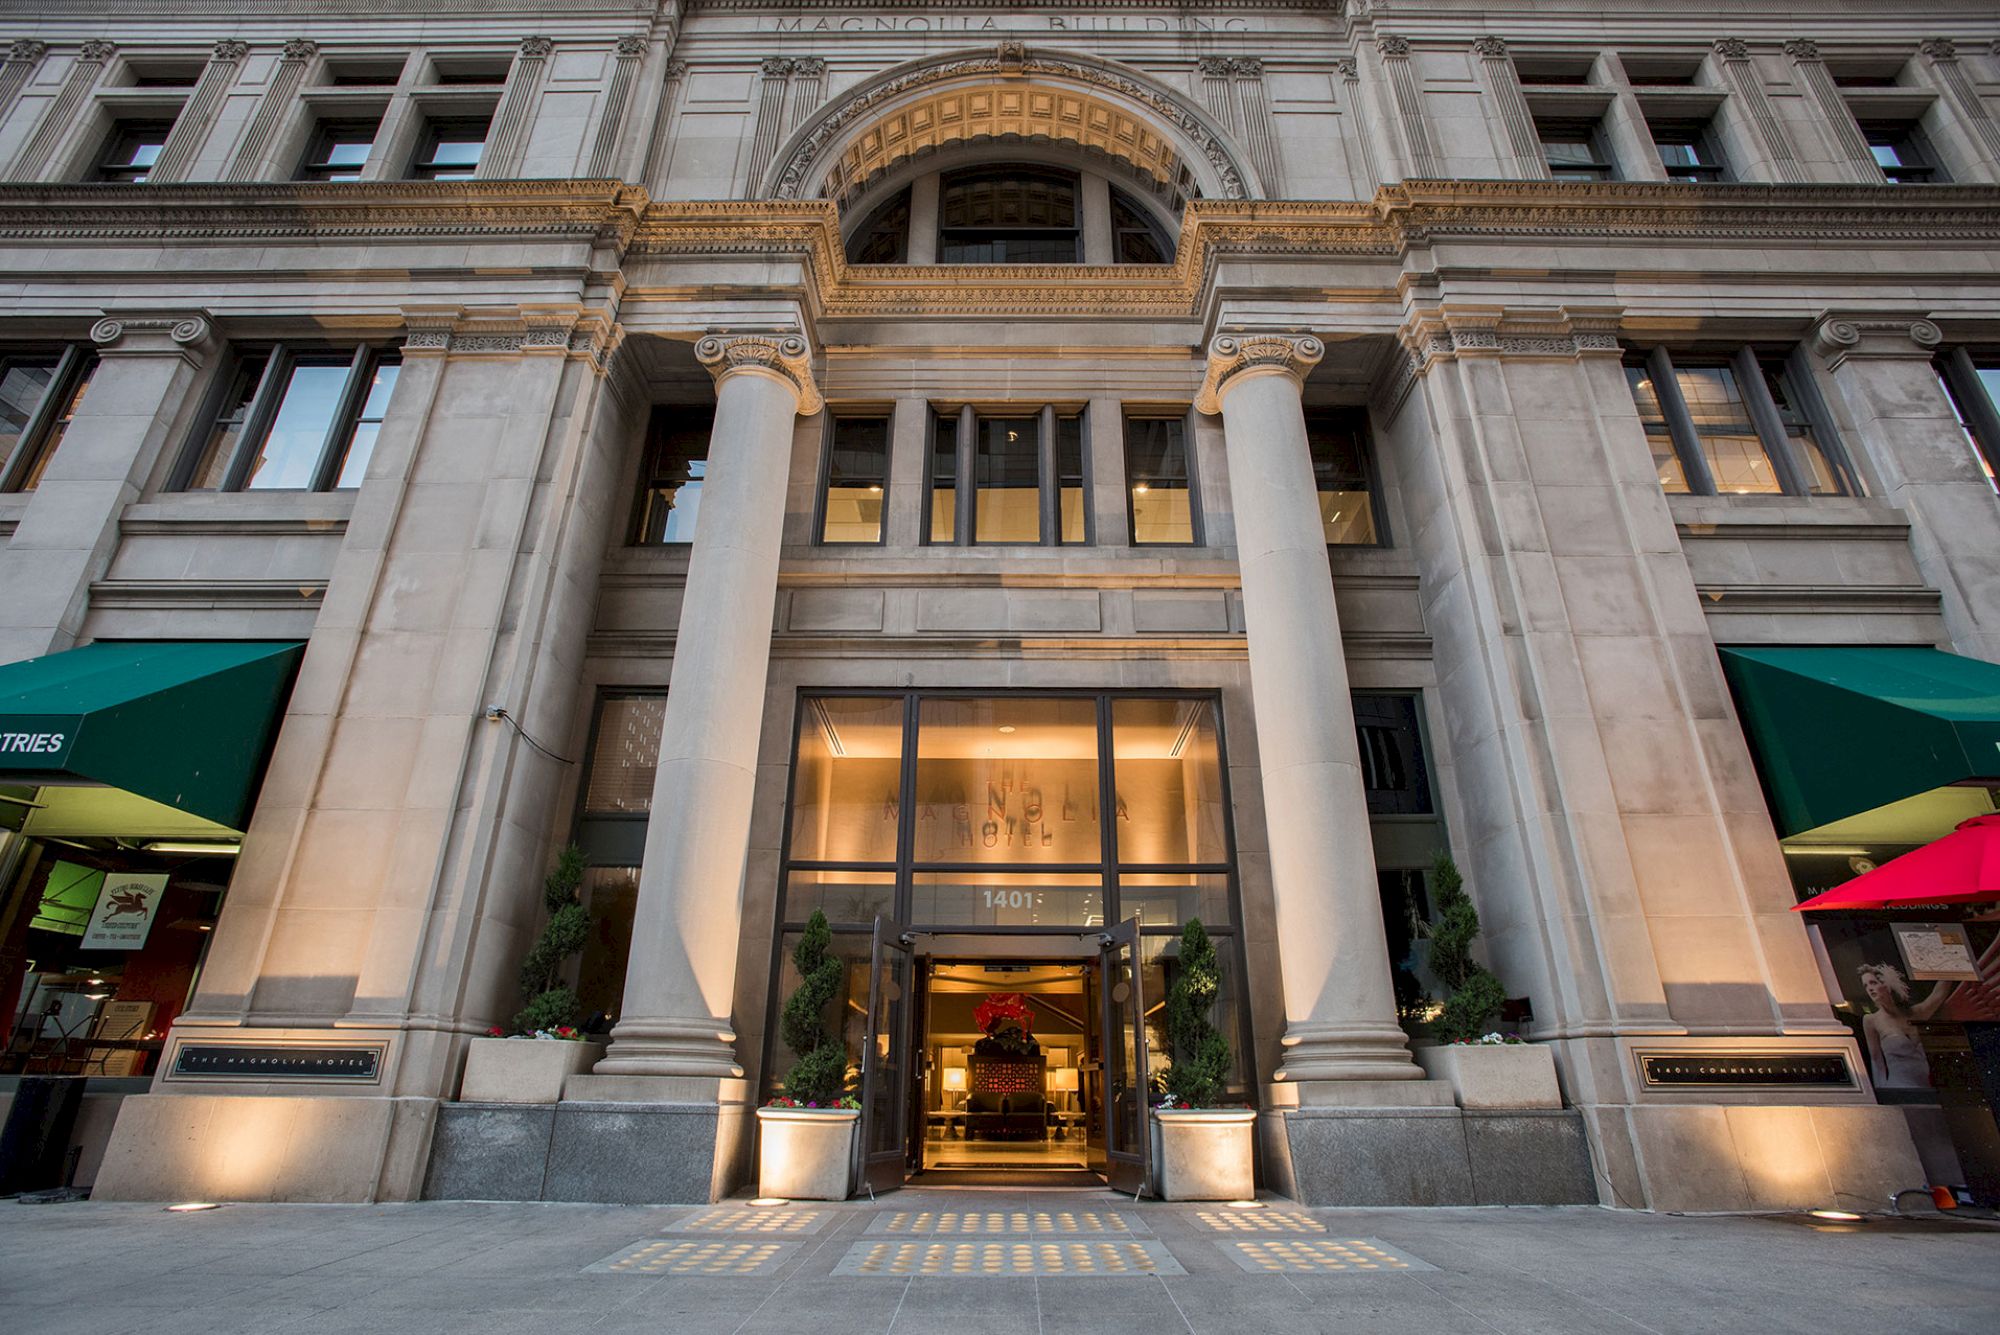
(1341, 1052)
(1360, 1094)
(702, 1049)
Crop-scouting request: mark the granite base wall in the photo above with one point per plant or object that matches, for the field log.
(607, 1153)
(1427, 1156)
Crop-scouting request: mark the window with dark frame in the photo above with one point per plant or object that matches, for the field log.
(1902, 152)
(293, 419)
(1972, 382)
(884, 235)
(1006, 477)
(40, 391)
(1343, 475)
(613, 803)
(671, 476)
(339, 150)
(1135, 238)
(1575, 150)
(1159, 476)
(131, 150)
(450, 148)
(856, 482)
(1739, 423)
(1688, 153)
(1009, 215)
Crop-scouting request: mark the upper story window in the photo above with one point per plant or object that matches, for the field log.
(131, 149)
(1688, 152)
(292, 419)
(1160, 474)
(1007, 477)
(40, 391)
(339, 150)
(1737, 424)
(1343, 475)
(855, 484)
(1902, 152)
(1575, 151)
(675, 466)
(1009, 215)
(450, 148)
(1973, 383)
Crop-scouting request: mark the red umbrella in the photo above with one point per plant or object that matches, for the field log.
(1961, 868)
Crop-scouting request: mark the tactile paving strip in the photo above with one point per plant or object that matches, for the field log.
(764, 1220)
(1019, 1256)
(1319, 1256)
(962, 1223)
(696, 1256)
(1259, 1221)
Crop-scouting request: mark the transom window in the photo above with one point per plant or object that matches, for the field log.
(40, 392)
(296, 419)
(1017, 811)
(1009, 215)
(1740, 424)
(1007, 477)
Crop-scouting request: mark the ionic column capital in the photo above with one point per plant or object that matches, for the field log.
(784, 357)
(1233, 358)
(1839, 337)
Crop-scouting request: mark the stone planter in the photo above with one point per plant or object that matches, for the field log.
(523, 1070)
(1205, 1154)
(806, 1154)
(1495, 1075)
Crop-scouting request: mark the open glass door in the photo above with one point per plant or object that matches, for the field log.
(885, 1062)
(1127, 1133)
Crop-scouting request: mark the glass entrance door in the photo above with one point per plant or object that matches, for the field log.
(885, 1062)
(1123, 1044)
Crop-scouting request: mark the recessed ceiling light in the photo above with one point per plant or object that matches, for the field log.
(1006, 727)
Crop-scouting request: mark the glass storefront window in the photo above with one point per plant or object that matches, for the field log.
(851, 897)
(1007, 780)
(1168, 899)
(1169, 782)
(845, 805)
(849, 1010)
(1008, 899)
(625, 755)
(612, 896)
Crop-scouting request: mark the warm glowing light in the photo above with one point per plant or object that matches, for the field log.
(770, 1200)
(1246, 1205)
(191, 1207)
(1006, 727)
(1838, 1216)
(217, 850)
(954, 1077)
(1140, 489)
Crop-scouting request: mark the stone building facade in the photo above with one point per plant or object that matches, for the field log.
(1472, 268)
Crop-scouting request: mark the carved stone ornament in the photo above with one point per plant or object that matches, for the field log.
(1233, 356)
(186, 330)
(536, 48)
(776, 67)
(1732, 48)
(97, 50)
(791, 182)
(230, 49)
(812, 67)
(1838, 337)
(783, 355)
(1489, 48)
(301, 48)
(26, 49)
(1393, 46)
(1215, 67)
(1802, 48)
(1939, 48)
(1011, 55)
(1349, 68)
(1247, 67)
(632, 46)
(676, 69)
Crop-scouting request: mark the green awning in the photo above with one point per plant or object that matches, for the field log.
(185, 724)
(1842, 731)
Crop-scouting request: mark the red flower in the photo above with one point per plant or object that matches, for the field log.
(1001, 1009)
(494, 1032)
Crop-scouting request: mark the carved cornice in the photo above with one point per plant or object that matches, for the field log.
(1450, 332)
(531, 331)
(1234, 358)
(785, 356)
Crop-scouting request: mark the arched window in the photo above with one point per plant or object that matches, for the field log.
(1009, 215)
(1135, 238)
(885, 237)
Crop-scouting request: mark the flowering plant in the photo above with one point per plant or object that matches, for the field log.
(564, 1032)
(1000, 1009)
(1492, 1040)
(845, 1101)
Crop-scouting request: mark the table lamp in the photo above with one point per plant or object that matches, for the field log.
(954, 1080)
(1064, 1080)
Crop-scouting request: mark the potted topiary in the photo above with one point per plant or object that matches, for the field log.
(1202, 1151)
(528, 1061)
(805, 1136)
(1486, 1068)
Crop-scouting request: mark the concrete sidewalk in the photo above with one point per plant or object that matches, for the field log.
(970, 1262)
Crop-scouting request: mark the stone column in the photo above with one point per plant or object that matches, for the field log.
(682, 972)
(1340, 1009)
(1882, 368)
(272, 108)
(191, 127)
